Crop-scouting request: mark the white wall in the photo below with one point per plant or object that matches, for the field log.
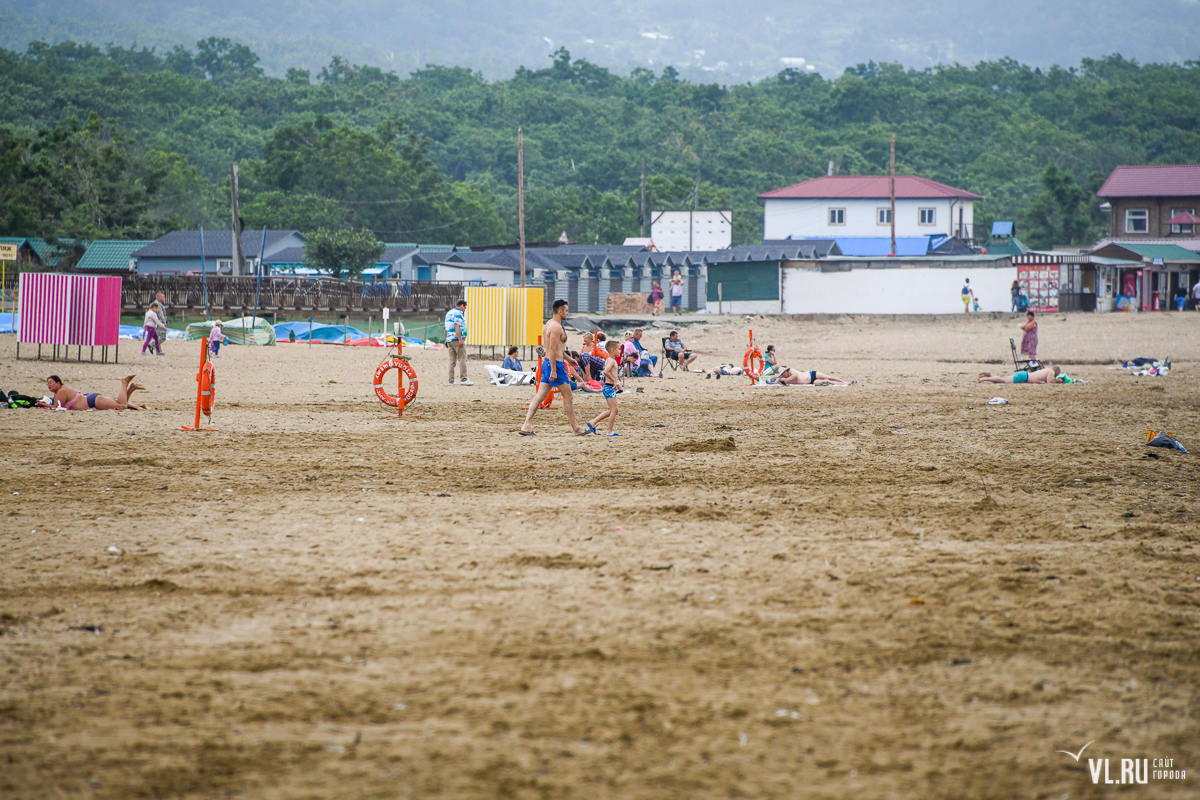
(710, 230)
(744, 307)
(916, 290)
(466, 273)
(810, 218)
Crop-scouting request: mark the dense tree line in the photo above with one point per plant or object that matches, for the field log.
(131, 142)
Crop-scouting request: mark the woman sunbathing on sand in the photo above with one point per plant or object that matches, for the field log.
(75, 400)
(792, 377)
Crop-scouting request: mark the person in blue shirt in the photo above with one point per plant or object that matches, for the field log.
(456, 337)
(511, 362)
(649, 362)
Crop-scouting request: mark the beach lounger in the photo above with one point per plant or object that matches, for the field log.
(498, 376)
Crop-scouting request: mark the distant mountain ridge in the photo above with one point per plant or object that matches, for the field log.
(703, 39)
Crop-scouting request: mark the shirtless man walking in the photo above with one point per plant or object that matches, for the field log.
(554, 372)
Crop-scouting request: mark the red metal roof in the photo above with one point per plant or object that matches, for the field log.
(873, 187)
(1159, 180)
(1184, 219)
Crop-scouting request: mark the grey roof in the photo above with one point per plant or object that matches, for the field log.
(394, 252)
(288, 255)
(804, 248)
(217, 244)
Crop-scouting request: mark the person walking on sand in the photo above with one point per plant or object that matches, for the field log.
(1029, 341)
(553, 372)
(1016, 296)
(968, 296)
(215, 339)
(677, 293)
(161, 301)
(610, 392)
(150, 331)
(656, 298)
(456, 340)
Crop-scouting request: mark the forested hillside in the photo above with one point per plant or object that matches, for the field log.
(704, 39)
(124, 142)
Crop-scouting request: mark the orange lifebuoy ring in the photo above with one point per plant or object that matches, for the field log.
(208, 388)
(406, 368)
(748, 362)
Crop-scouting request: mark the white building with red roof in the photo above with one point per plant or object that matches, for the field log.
(843, 206)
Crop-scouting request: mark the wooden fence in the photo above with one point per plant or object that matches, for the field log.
(278, 293)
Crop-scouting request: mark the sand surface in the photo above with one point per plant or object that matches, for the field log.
(891, 590)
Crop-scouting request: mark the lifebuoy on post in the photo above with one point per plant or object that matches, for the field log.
(384, 367)
(748, 360)
(208, 388)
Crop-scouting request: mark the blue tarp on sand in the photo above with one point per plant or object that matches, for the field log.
(325, 333)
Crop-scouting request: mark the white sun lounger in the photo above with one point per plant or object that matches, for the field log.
(498, 376)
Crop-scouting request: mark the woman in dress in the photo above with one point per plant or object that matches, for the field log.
(1029, 341)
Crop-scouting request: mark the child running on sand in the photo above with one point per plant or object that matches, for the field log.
(610, 390)
(215, 338)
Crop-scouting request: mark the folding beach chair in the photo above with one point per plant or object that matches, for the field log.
(665, 358)
(1020, 363)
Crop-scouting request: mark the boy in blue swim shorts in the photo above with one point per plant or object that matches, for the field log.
(611, 389)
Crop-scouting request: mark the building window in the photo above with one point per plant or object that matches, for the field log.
(927, 216)
(883, 216)
(837, 216)
(1137, 220)
(1182, 228)
(225, 267)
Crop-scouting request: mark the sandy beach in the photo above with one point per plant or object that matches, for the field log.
(887, 590)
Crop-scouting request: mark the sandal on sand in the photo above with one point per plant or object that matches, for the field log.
(527, 433)
(585, 433)
(591, 427)
(612, 434)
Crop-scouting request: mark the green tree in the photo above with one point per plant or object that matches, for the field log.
(1062, 213)
(342, 252)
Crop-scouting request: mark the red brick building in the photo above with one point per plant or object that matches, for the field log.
(1154, 202)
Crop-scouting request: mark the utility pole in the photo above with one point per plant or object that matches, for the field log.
(892, 207)
(642, 215)
(692, 213)
(238, 262)
(521, 198)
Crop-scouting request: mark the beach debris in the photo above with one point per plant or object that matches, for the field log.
(1163, 439)
(114, 549)
(917, 601)
(958, 662)
(997, 401)
(743, 740)
(399, 707)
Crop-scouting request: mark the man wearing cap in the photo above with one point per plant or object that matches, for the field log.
(456, 337)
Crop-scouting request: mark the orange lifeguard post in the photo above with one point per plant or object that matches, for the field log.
(402, 367)
(752, 353)
(206, 391)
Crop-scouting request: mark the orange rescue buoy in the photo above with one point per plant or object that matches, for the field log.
(208, 388)
(751, 356)
(384, 367)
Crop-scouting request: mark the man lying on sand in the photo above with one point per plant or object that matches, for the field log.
(75, 400)
(792, 377)
(1045, 375)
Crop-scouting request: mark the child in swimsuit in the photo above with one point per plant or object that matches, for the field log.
(611, 388)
